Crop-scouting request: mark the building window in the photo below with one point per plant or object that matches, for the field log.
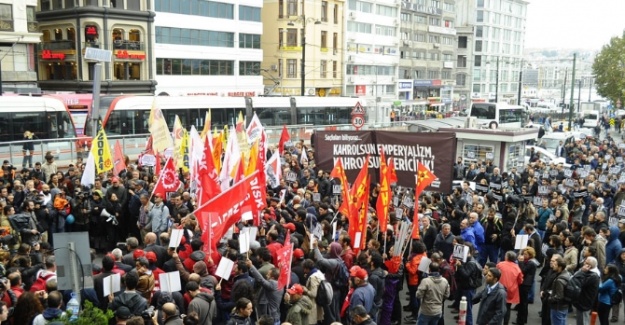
(45, 5)
(127, 71)
(220, 10)
(478, 46)
(291, 37)
(445, 74)
(280, 8)
(335, 69)
(324, 11)
(195, 67)
(335, 42)
(133, 5)
(69, 4)
(58, 34)
(461, 62)
(291, 68)
(434, 21)
(386, 11)
(249, 13)
(280, 37)
(462, 42)
(478, 61)
(249, 41)
(6, 17)
(247, 68)
(280, 68)
(324, 39)
(479, 31)
(480, 16)
(432, 74)
(60, 71)
(336, 14)
(323, 69)
(183, 36)
(461, 79)
(291, 8)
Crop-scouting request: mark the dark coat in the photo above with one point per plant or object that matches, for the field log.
(492, 306)
(590, 289)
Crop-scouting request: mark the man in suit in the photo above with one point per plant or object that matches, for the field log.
(132, 243)
(151, 246)
(98, 280)
(493, 300)
(560, 149)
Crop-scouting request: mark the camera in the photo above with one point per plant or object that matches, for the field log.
(148, 313)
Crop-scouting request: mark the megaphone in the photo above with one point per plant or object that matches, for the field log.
(105, 213)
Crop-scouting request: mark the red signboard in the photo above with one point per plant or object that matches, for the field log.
(91, 30)
(49, 55)
(123, 54)
(361, 90)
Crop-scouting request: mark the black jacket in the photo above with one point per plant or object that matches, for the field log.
(492, 306)
(590, 289)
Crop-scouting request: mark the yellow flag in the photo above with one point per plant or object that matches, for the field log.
(178, 134)
(244, 145)
(217, 149)
(184, 151)
(207, 125)
(161, 137)
(251, 166)
(101, 152)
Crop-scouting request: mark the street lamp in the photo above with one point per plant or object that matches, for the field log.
(303, 20)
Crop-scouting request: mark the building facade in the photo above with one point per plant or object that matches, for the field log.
(498, 49)
(209, 47)
(303, 39)
(124, 27)
(19, 35)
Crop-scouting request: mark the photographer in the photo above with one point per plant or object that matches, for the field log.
(81, 208)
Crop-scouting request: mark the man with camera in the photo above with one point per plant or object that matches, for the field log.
(81, 209)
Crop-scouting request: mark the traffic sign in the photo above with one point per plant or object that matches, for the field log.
(358, 110)
(358, 121)
(92, 53)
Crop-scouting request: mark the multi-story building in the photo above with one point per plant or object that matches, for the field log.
(498, 49)
(303, 47)
(428, 43)
(18, 37)
(372, 54)
(124, 27)
(465, 28)
(209, 47)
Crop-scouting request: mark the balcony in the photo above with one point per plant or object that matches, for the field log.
(6, 25)
(128, 45)
(57, 45)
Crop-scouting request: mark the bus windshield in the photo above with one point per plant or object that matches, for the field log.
(484, 111)
(512, 115)
(502, 115)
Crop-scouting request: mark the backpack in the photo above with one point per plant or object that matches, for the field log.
(340, 278)
(476, 279)
(573, 289)
(40, 283)
(616, 297)
(324, 293)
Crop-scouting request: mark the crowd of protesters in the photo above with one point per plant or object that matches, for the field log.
(571, 216)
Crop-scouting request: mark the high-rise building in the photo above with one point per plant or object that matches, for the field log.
(19, 35)
(303, 47)
(209, 47)
(68, 28)
(498, 49)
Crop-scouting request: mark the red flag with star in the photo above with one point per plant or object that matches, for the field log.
(384, 197)
(168, 180)
(358, 208)
(423, 179)
(339, 172)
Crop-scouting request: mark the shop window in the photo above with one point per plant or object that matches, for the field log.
(134, 35)
(127, 71)
(60, 71)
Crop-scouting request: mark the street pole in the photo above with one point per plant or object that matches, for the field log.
(572, 89)
(566, 74)
(589, 88)
(303, 63)
(579, 95)
(497, 83)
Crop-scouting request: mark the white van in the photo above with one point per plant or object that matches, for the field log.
(591, 118)
(552, 140)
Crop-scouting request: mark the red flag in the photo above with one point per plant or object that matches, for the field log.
(285, 255)
(359, 194)
(423, 179)
(157, 165)
(119, 163)
(339, 172)
(149, 149)
(227, 208)
(392, 172)
(284, 137)
(384, 197)
(208, 174)
(168, 180)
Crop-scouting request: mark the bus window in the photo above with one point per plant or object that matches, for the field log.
(67, 128)
(271, 116)
(34, 122)
(5, 127)
(483, 111)
(139, 122)
(114, 123)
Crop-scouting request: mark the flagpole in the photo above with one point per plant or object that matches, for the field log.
(157, 182)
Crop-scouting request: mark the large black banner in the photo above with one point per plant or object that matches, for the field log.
(434, 150)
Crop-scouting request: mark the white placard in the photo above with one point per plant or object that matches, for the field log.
(176, 237)
(111, 284)
(399, 213)
(357, 240)
(316, 197)
(336, 189)
(521, 241)
(291, 177)
(282, 196)
(244, 242)
(334, 230)
(247, 215)
(148, 160)
(170, 281)
(424, 266)
(612, 221)
(395, 201)
(224, 269)
(461, 252)
(252, 232)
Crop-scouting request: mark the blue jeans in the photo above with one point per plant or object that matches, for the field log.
(469, 295)
(558, 317)
(489, 252)
(428, 320)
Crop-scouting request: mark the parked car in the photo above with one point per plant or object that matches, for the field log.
(546, 156)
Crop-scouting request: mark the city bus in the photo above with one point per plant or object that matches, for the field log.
(498, 115)
(78, 106)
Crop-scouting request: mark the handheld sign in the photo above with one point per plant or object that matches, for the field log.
(316, 197)
(358, 239)
(111, 284)
(170, 281)
(224, 269)
(176, 237)
(244, 242)
(424, 266)
(336, 189)
(461, 252)
(521, 241)
(291, 177)
(251, 231)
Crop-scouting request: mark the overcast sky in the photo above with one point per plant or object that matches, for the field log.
(573, 23)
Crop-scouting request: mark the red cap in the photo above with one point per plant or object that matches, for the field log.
(138, 253)
(158, 195)
(290, 227)
(298, 254)
(358, 272)
(115, 179)
(151, 256)
(296, 289)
